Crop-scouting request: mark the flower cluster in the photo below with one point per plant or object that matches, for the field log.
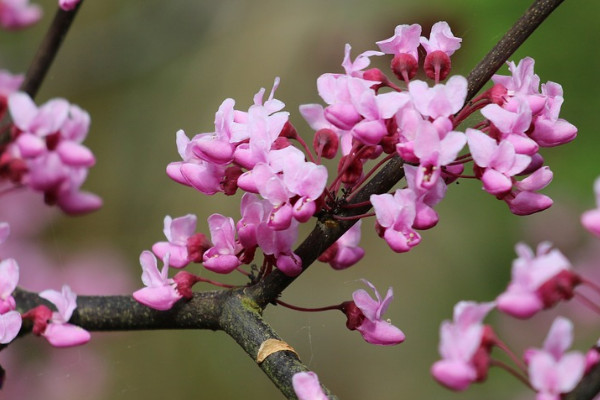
(539, 281)
(45, 153)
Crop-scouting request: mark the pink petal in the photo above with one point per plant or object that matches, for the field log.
(10, 325)
(66, 335)
(159, 298)
(307, 386)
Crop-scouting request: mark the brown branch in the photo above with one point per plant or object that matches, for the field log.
(510, 42)
(588, 388)
(48, 49)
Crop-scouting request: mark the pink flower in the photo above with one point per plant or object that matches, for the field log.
(59, 332)
(441, 39)
(307, 386)
(364, 315)
(160, 292)
(404, 41)
(10, 325)
(395, 217)
(279, 245)
(434, 150)
(426, 217)
(497, 163)
(177, 232)
(464, 346)
(17, 14)
(361, 62)
(442, 100)
(345, 252)
(591, 219)
(551, 370)
(9, 277)
(9, 83)
(222, 257)
(538, 281)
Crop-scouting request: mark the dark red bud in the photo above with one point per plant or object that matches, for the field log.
(52, 140)
(280, 143)
(559, 287)
(248, 255)
(404, 66)
(329, 254)
(326, 143)
(352, 172)
(380, 230)
(229, 183)
(437, 65)
(185, 280)
(354, 314)
(40, 316)
(374, 74)
(497, 94)
(196, 245)
(288, 131)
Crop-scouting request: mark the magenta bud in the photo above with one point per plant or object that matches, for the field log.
(185, 280)
(354, 314)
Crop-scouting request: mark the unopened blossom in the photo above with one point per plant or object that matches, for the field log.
(160, 292)
(307, 386)
(365, 315)
(18, 14)
(465, 344)
(59, 332)
(395, 216)
(177, 232)
(591, 218)
(68, 5)
(538, 281)
(552, 371)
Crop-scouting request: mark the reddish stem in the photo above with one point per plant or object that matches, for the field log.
(290, 306)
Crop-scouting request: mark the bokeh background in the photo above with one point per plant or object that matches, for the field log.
(144, 69)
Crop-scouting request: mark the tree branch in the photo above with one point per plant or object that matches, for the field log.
(510, 42)
(48, 49)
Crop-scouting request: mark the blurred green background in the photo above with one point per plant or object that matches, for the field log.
(144, 69)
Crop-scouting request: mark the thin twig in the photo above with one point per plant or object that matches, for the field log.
(512, 40)
(47, 51)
